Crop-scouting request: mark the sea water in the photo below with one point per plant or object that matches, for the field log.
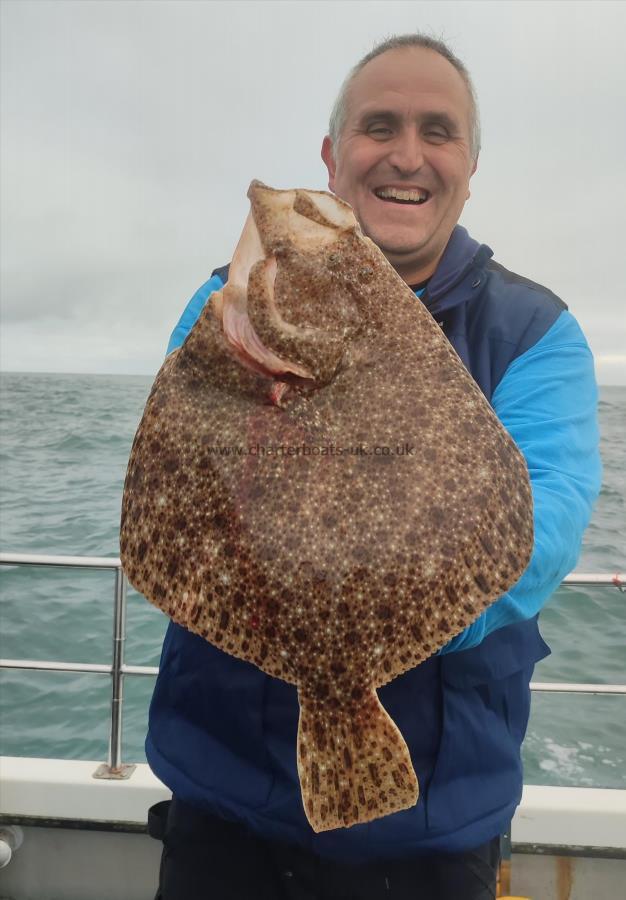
(64, 445)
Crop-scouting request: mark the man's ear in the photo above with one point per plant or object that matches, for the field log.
(329, 161)
(474, 167)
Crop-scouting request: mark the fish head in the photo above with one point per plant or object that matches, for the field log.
(297, 287)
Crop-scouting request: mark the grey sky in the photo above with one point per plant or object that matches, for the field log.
(131, 130)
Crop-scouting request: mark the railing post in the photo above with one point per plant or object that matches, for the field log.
(114, 767)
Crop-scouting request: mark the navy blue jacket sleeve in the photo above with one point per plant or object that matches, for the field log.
(547, 401)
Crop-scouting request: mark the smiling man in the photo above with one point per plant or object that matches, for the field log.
(402, 147)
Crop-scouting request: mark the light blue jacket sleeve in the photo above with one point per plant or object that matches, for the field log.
(192, 311)
(547, 401)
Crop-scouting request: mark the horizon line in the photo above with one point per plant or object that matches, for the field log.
(153, 375)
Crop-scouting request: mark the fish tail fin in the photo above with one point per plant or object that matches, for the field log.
(353, 763)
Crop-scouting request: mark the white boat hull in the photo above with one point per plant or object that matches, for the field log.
(84, 838)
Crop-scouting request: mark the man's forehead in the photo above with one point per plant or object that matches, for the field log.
(405, 74)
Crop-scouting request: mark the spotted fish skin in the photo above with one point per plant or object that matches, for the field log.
(334, 570)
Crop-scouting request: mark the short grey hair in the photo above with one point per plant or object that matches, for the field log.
(398, 42)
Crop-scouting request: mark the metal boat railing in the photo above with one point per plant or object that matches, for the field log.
(118, 669)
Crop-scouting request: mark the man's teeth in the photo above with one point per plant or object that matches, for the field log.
(411, 196)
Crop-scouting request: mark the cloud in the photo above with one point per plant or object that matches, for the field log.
(130, 132)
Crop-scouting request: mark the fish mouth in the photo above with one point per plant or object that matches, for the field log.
(413, 196)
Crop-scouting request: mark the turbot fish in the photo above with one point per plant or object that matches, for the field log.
(318, 486)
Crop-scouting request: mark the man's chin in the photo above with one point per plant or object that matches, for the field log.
(407, 249)
(412, 262)
(404, 254)
(400, 245)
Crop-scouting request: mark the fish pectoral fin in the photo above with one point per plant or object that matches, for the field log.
(353, 763)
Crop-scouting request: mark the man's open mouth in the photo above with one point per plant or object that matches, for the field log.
(410, 196)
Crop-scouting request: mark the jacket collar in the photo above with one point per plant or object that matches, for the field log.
(461, 271)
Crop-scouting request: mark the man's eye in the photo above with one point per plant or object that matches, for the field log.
(379, 131)
(436, 134)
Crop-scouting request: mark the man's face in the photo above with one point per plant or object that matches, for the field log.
(403, 159)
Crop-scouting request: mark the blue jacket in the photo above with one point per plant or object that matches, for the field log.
(222, 734)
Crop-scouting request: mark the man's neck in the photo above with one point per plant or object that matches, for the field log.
(415, 274)
(419, 285)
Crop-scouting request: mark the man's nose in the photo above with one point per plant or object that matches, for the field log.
(407, 152)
